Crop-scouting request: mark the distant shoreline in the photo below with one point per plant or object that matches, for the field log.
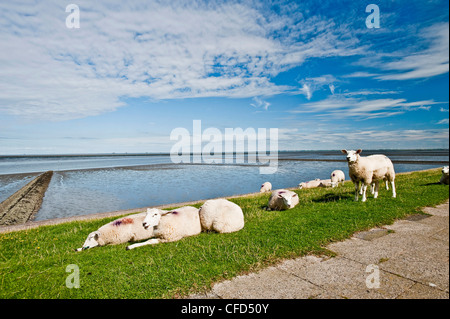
(326, 153)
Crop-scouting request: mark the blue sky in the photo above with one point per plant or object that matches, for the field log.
(136, 70)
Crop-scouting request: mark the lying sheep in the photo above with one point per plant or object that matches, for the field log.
(316, 183)
(337, 176)
(266, 187)
(444, 177)
(119, 231)
(368, 170)
(311, 184)
(282, 199)
(221, 215)
(171, 226)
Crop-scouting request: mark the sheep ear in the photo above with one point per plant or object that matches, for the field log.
(359, 151)
(344, 151)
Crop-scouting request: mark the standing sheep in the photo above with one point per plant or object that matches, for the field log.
(266, 187)
(119, 231)
(221, 215)
(369, 169)
(172, 226)
(444, 177)
(337, 176)
(282, 199)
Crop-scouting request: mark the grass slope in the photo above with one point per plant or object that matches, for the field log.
(33, 263)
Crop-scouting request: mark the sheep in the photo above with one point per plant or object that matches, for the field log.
(282, 199)
(266, 187)
(172, 226)
(326, 183)
(310, 184)
(368, 170)
(221, 215)
(119, 231)
(444, 177)
(336, 177)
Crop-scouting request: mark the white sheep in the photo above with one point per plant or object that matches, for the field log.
(311, 184)
(282, 199)
(119, 231)
(337, 176)
(444, 177)
(172, 226)
(368, 170)
(266, 187)
(221, 215)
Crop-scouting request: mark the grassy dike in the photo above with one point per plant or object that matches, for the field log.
(33, 262)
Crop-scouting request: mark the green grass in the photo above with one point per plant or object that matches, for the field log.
(33, 263)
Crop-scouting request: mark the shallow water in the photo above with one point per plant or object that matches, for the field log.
(140, 181)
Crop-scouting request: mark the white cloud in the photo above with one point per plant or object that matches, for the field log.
(150, 49)
(342, 106)
(259, 103)
(443, 121)
(427, 57)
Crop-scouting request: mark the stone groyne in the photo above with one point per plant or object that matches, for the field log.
(21, 206)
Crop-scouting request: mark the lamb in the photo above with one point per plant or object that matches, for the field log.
(337, 176)
(368, 170)
(266, 187)
(282, 199)
(221, 215)
(172, 226)
(444, 177)
(119, 231)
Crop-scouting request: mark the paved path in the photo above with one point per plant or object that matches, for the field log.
(408, 259)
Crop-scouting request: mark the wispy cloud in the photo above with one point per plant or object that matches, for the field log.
(341, 106)
(259, 103)
(151, 49)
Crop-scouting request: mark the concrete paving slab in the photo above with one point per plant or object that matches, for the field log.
(347, 279)
(420, 291)
(271, 283)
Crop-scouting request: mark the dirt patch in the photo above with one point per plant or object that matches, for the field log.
(21, 206)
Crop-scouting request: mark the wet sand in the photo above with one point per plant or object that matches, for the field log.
(21, 207)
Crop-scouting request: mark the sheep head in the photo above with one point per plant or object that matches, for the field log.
(152, 218)
(91, 241)
(352, 156)
(287, 198)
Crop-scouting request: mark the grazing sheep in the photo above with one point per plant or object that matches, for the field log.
(444, 177)
(266, 187)
(311, 184)
(282, 199)
(119, 231)
(172, 226)
(337, 176)
(368, 170)
(221, 215)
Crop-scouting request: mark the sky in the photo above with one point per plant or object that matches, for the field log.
(136, 70)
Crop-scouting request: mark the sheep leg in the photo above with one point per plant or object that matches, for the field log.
(372, 188)
(376, 185)
(361, 188)
(387, 184)
(356, 191)
(364, 198)
(145, 243)
(394, 194)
